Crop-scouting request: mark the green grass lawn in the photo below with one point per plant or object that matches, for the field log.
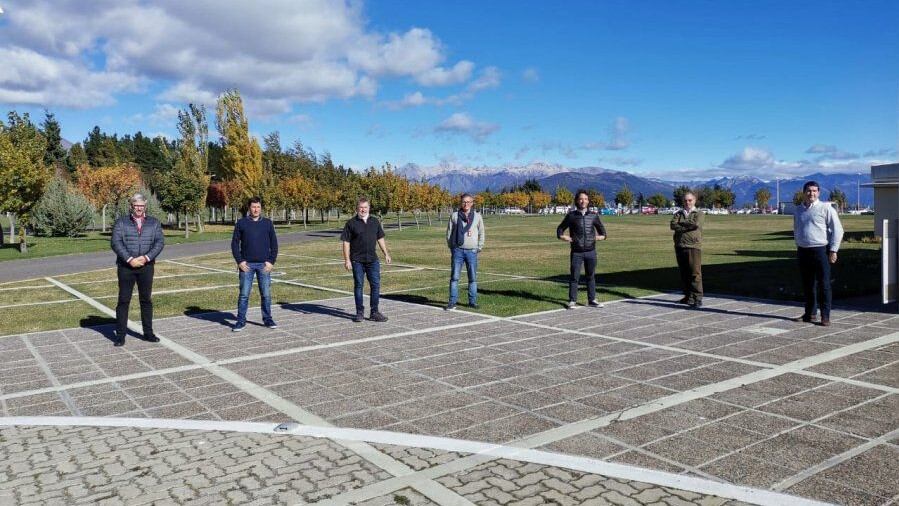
(97, 241)
(522, 269)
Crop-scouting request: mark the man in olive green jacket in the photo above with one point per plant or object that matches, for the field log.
(687, 226)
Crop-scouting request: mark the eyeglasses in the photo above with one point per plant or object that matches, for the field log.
(138, 206)
(468, 201)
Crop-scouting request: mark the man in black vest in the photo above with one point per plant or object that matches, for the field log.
(360, 235)
(584, 229)
(136, 240)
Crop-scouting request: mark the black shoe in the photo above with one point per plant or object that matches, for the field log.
(359, 317)
(450, 307)
(696, 304)
(376, 316)
(150, 338)
(474, 305)
(807, 318)
(684, 300)
(118, 339)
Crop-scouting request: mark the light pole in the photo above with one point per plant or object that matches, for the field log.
(777, 203)
(858, 200)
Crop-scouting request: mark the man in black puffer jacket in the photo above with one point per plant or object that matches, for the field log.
(584, 229)
(136, 240)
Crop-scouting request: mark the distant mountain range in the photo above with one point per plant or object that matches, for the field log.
(550, 177)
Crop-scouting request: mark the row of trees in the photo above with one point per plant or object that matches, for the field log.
(55, 190)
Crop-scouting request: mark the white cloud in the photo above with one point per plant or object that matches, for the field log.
(277, 52)
(463, 124)
(300, 119)
(440, 76)
(761, 163)
(531, 75)
(490, 78)
(414, 99)
(882, 152)
(163, 114)
(28, 77)
(821, 148)
(617, 137)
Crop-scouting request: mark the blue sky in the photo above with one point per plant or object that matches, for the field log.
(674, 89)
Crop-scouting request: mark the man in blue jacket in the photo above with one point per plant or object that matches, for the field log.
(136, 240)
(255, 249)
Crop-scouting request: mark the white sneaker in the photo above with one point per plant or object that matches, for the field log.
(596, 303)
(571, 304)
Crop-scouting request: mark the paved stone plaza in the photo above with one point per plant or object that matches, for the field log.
(641, 402)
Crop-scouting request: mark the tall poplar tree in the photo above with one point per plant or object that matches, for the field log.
(241, 158)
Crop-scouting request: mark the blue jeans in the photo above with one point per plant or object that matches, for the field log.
(372, 271)
(246, 285)
(814, 268)
(470, 258)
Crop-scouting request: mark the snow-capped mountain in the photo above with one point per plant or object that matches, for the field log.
(458, 178)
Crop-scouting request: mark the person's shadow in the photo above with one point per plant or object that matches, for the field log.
(224, 318)
(318, 309)
(105, 326)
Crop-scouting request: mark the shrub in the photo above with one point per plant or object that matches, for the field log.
(61, 211)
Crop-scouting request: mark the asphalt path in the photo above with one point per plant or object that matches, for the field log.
(18, 270)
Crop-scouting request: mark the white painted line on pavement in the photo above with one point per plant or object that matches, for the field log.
(582, 464)
(274, 280)
(576, 428)
(713, 356)
(835, 460)
(179, 290)
(432, 490)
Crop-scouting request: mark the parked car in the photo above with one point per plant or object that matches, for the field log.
(512, 210)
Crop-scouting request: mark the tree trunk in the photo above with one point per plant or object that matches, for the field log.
(186, 225)
(305, 217)
(321, 215)
(399, 222)
(213, 215)
(429, 218)
(416, 219)
(104, 217)
(200, 224)
(23, 240)
(12, 227)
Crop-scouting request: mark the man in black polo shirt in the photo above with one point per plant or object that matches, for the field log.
(360, 234)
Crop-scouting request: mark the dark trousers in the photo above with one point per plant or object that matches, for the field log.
(143, 277)
(588, 259)
(814, 268)
(372, 271)
(689, 263)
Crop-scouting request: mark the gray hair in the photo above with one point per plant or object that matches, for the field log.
(363, 200)
(138, 197)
